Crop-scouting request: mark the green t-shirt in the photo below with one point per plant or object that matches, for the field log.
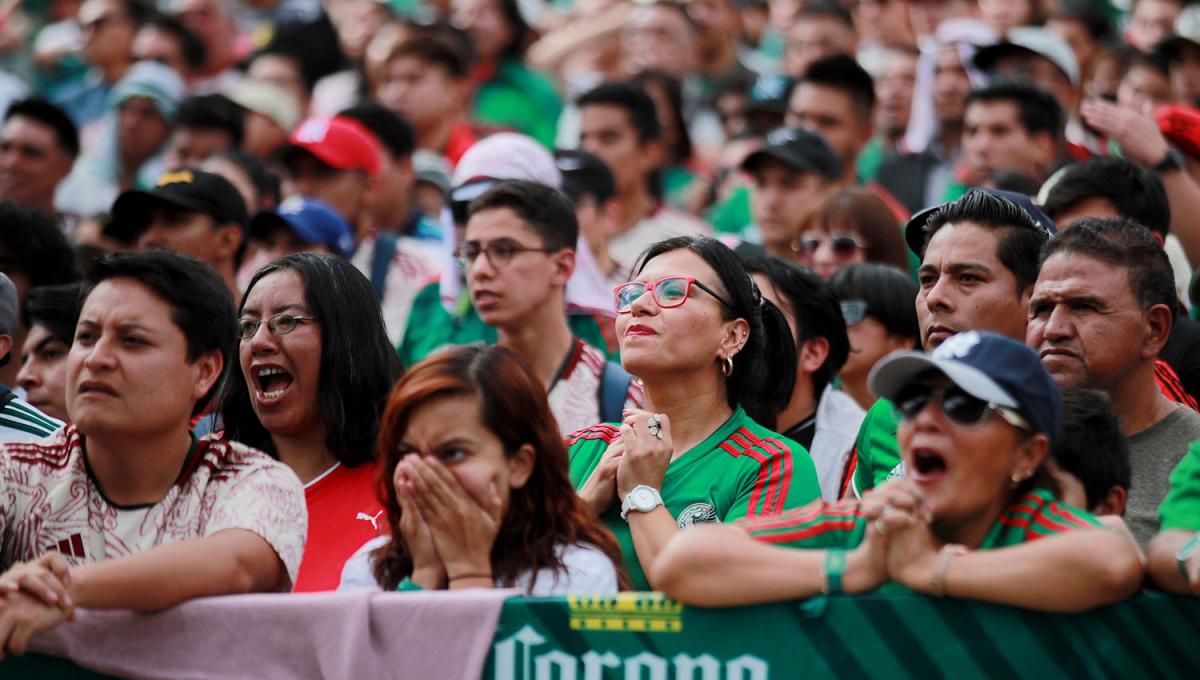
(520, 98)
(841, 525)
(732, 215)
(741, 470)
(1181, 508)
(431, 327)
(878, 451)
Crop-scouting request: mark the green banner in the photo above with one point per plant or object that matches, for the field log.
(646, 637)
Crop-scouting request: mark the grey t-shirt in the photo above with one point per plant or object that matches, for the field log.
(1153, 454)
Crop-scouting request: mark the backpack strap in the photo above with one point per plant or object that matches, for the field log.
(614, 387)
(381, 261)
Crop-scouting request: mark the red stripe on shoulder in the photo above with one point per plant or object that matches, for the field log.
(605, 432)
(54, 456)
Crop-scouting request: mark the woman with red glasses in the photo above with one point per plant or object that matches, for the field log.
(976, 516)
(849, 227)
(717, 363)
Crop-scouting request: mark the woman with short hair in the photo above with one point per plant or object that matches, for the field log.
(878, 305)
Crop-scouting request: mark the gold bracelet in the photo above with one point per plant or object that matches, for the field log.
(937, 583)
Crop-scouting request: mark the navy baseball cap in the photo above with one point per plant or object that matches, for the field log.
(914, 229)
(987, 366)
(800, 150)
(189, 189)
(311, 220)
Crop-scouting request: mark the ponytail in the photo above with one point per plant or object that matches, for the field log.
(764, 371)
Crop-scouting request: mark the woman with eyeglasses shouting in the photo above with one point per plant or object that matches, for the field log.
(975, 518)
(316, 367)
(717, 362)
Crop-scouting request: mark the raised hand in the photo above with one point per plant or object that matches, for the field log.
(646, 456)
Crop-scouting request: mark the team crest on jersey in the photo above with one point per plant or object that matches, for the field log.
(697, 513)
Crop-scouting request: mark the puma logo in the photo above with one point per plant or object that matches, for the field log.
(373, 520)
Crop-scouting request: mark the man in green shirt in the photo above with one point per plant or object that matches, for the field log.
(978, 266)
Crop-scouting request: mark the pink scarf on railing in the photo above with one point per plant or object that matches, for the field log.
(325, 635)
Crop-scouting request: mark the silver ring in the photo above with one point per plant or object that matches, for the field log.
(878, 524)
(654, 426)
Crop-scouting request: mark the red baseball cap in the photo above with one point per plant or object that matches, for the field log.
(339, 142)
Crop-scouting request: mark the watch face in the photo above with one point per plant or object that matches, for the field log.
(644, 498)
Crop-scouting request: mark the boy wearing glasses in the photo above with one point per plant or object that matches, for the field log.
(518, 251)
(125, 508)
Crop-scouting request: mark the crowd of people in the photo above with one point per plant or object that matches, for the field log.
(739, 300)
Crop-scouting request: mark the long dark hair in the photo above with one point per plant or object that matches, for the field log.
(544, 514)
(764, 372)
(358, 364)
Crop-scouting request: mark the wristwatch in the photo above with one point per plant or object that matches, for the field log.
(1174, 160)
(641, 499)
(1181, 557)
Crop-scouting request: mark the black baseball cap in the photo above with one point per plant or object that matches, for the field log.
(187, 188)
(914, 230)
(584, 174)
(800, 150)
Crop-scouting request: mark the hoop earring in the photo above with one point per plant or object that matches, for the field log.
(727, 366)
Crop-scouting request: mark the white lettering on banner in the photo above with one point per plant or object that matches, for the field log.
(594, 664)
(514, 658)
(565, 663)
(651, 662)
(747, 667)
(686, 667)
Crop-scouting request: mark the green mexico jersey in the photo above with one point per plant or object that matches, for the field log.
(1181, 508)
(431, 326)
(878, 452)
(741, 470)
(841, 525)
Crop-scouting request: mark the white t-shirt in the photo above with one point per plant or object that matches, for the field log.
(588, 572)
(575, 396)
(50, 501)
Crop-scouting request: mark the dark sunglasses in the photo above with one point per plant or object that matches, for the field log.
(961, 409)
(668, 292)
(843, 245)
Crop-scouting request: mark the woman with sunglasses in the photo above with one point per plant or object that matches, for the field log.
(316, 367)
(877, 304)
(718, 363)
(473, 475)
(848, 227)
(976, 517)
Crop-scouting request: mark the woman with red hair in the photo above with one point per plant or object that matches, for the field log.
(473, 477)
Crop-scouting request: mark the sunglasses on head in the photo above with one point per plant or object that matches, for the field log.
(843, 245)
(960, 408)
(854, 311)
(671, 291)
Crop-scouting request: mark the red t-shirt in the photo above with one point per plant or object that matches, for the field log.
(343, 514)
